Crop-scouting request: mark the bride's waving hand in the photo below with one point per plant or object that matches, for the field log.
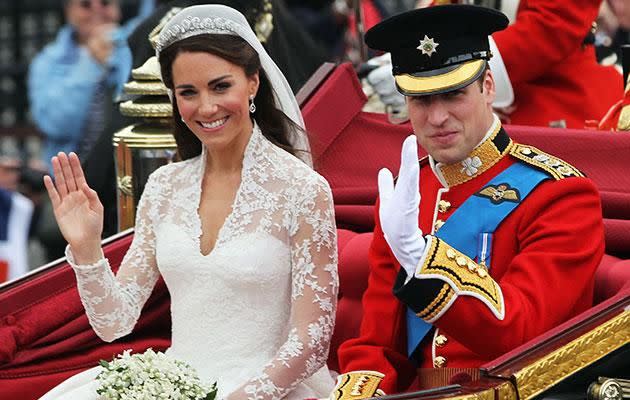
(78, 211)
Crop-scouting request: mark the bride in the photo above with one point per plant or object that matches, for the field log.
(242, 230)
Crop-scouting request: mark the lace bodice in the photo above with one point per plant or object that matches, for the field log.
(257, 312)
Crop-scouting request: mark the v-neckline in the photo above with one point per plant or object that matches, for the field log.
(227, 221)
(224, 225)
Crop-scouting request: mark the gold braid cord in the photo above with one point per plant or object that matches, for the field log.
(463, 276)
(444, 297)
(556, 167)
(358, 385)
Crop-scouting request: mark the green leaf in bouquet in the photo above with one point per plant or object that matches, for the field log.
(212, 393)
(104, 364)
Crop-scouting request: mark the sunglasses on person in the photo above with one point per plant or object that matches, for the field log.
(87, 4)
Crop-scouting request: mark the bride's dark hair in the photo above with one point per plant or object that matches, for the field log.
(273, 123)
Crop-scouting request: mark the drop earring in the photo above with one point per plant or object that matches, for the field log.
(252, 106)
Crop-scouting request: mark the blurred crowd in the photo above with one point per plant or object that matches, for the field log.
(558, 64)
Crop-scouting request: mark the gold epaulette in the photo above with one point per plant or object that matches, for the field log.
(356, 385)
(557, 168)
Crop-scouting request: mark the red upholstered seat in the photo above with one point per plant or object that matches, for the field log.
(612, 275)
(353, 248)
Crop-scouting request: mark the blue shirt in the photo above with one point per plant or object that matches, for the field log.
(62, 79)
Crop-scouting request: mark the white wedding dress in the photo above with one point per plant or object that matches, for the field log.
(256, 313)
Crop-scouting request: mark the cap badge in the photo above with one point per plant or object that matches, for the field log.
(428, 46)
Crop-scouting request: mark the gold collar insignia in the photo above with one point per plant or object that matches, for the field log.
(481, 159)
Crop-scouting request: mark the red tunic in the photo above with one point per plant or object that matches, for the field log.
(554, 76)
(543, 258)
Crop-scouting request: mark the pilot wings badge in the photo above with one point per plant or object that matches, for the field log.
(500, 193)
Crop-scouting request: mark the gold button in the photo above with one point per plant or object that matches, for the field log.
(471, 266)
(440, 340)
(438, 224)
(450, 253)
(482, 272)
(439, 362)
(526, 150)
(461, 261)
(443, 206)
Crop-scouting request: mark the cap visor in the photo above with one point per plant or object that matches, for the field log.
(440, 81)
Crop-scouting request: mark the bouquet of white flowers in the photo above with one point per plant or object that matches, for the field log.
(149, 376)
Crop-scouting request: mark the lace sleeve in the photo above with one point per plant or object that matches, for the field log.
(113, 303)
(313, 300)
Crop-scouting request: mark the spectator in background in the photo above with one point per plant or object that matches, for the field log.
(15, 217)
(333, 22)
(613, 31)
(9, 173)
(71, 85)
(325, 20)
(71, 81)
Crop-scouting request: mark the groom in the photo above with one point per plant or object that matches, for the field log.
(479, 247)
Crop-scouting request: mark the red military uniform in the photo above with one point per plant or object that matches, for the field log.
(541, 265)
(555, 77)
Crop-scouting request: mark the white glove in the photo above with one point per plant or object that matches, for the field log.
(382, 80)
(399, 208)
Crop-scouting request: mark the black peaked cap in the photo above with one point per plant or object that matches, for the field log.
(436, 42)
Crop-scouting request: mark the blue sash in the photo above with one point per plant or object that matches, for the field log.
(476, 216)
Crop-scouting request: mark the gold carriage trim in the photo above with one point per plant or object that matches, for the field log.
(145, 88)
(439, 303)
(552, 368)
(358, 385)
(557, 168)
(156, 110)
(149, 71)
(463, 275)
